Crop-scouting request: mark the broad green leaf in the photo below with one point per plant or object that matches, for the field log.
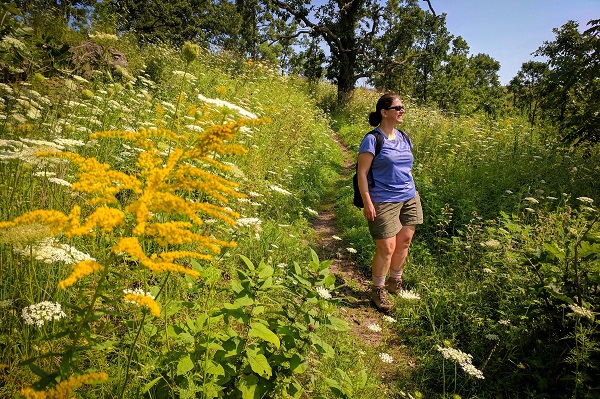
(247, 386)
(297, 268)
(296, 364)
(149, 385)
(314, 256)
(302, 280)
(248, 262)
(261, 331)
(268, 283)
(336, 324)
(258, 310)
(322, 346)
(588, 249)
(186, 338)
(214, 368)
(244, 301)
(324, 265)
(258, 363)
(264, 271)
(555, 250)
(295, 390)
(361, 379)
(184, 365)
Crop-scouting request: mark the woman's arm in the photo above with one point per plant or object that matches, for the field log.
(364, 164)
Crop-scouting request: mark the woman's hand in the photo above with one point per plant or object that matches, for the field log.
(369, 211)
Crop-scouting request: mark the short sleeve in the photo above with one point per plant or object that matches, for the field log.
(368, 144)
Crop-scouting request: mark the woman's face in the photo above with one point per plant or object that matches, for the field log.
(394, 112)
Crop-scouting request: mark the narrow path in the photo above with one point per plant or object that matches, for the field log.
(357, 310)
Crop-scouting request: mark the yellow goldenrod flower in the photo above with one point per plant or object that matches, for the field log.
(96, 178)
(56, 221)
(131, 246)
(80, 270)
(172, 255)
(144, 300)
(64, 389)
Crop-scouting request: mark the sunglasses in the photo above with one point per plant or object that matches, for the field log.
(397, 108)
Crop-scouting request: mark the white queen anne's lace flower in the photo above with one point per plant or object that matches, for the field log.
(323, 292)
(38, 314)
(583, 312)
(224, 104)
(374, 327)
(280, 190)
(50, 251)
(463, 359)
(386, 358)
(408, 294)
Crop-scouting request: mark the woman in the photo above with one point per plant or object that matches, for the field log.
(391, 203)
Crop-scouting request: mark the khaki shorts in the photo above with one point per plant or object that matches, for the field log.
(391, 216)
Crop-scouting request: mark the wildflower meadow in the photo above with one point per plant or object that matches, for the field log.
(156, 241)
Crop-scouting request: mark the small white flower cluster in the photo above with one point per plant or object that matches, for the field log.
(409, 294)
(323, 292)
(6, 303)
(532, 200)
(280, 190)
(312, 211)
(69, 142)
(386, 358)
(491, 243)
(374, 327)
(586, 200)
(137, 291)
(351, 250)
(39, 313)
(249, 222)
(463, 359)
(336, 238)
(188, 77)
(49, 251)
(389, 319)
(583, 312)
(224, 104)
(59, 181)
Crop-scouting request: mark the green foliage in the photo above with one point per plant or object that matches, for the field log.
(259, 343)
(564, 88)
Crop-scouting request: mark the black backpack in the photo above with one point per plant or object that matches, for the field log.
(358, 202)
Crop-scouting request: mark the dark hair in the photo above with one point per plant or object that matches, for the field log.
(384, 102)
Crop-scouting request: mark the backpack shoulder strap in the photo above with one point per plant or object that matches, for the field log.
(379, 140)
(406, 138)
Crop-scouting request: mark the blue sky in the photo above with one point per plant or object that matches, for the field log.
(510, 30)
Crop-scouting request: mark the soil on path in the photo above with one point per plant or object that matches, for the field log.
(358, 310)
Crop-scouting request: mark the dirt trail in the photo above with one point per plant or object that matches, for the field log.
(359, 313)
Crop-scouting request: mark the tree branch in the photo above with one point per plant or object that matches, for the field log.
(324, 32)
(431, 7)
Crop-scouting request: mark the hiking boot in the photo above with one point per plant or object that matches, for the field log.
(393, 285)
(379, 298)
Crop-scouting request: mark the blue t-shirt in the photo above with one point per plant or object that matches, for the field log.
(391, 168)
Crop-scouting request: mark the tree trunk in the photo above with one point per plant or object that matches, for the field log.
(346, 79)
